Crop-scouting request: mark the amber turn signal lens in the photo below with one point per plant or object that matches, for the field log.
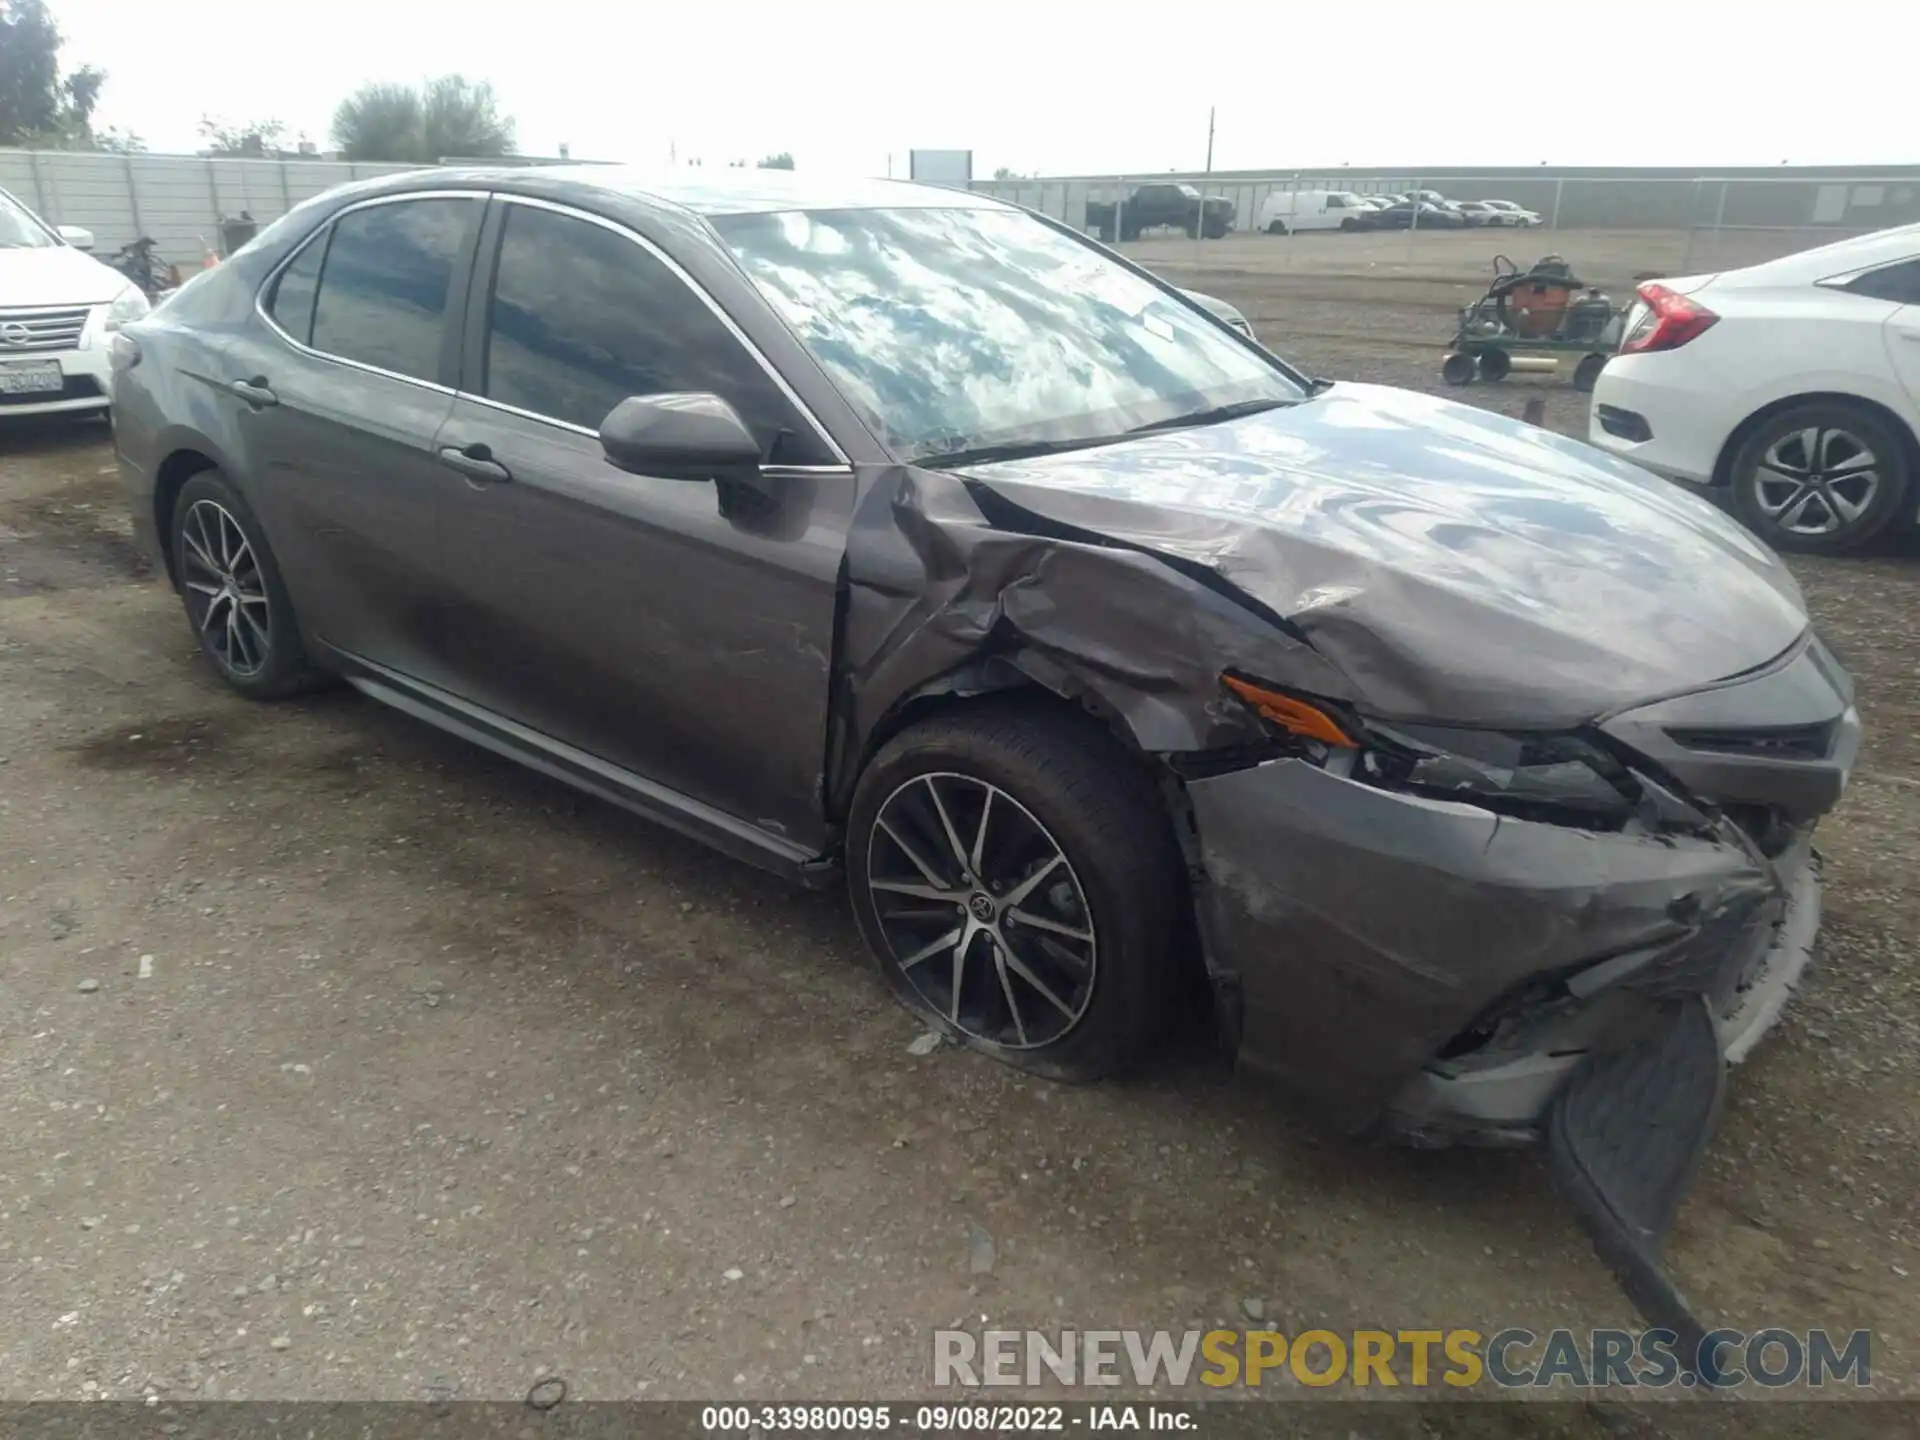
(1296, 717)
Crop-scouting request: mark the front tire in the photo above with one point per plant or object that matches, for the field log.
(235, 600)
(1015, 875)
(1827, 477)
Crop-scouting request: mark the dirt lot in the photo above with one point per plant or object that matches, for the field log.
(339, 1059)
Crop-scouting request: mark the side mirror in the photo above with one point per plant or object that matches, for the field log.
(75, 236)
(687, 436)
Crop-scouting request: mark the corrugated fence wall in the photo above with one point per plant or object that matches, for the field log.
(1844, 198)
(179, 200)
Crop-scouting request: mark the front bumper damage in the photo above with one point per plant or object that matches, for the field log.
(1440, 969)
(1444, 974)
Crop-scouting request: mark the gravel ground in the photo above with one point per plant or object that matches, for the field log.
(341, 1060)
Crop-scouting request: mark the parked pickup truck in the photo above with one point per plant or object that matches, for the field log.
(1153, 206)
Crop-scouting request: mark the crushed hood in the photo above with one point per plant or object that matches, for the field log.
(1454, 564)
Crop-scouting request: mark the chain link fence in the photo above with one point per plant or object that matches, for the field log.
(1682, 225)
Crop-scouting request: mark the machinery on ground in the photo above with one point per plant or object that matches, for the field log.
(1536, 315)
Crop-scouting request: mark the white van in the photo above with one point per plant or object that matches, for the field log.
(1286, 210)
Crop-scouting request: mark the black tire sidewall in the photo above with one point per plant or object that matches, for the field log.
(1133, 896)
(1889, 504)
(287, 669)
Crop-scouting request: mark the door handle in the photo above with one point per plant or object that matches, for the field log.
(256, 392)
(476, 462)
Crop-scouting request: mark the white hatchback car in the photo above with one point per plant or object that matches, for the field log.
(1794, 386)
(58, 308)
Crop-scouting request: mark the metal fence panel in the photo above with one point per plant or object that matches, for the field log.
(179, 200)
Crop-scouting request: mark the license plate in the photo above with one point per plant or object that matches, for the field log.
(37, 379)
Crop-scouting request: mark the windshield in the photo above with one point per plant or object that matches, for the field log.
(965, 329)
(18, 229)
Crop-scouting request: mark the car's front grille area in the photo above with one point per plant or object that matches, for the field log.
(1778, 742)
(32, 332)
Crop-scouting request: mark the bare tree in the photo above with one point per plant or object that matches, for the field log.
(782, 161)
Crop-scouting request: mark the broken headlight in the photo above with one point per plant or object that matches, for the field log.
(1553, 777)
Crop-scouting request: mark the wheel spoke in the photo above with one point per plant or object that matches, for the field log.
(1041, 922)
(1020, 968)
(1861, 459)
(927, 951)
(202, 587)
(198, 546)
(1810, 449)
(1026, 886)
(1801, 489)
(1045, 974)
(1790, 518)
(913, 855)
(919, 892)
(212, 616)
(236, 641)
(959, 976)
(1006, 989)
(980, 835)
(946, 824)
(262, 642)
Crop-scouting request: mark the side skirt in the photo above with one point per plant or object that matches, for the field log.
(646, 798)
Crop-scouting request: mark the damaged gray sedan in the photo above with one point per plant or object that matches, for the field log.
(899, 533)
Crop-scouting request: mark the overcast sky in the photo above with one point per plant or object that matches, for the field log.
(1051, 86)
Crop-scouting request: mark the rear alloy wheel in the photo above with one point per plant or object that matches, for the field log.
(233, 593)
(1821, 478)
(1015, 875)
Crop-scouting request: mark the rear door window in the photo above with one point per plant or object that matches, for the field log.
(291, 304)
(1899, 283)
(582, 316)
(383, 296)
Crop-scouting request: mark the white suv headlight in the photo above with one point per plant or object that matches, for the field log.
(128, 306)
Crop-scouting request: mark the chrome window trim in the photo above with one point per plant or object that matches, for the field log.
(801, 408)
(273, 277)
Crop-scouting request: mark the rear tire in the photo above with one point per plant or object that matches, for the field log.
(1276, 227)
(1459, 368)
(1098, 928)
(235, 600)
(1853, 491)
(1494, 365)
(1586, 374)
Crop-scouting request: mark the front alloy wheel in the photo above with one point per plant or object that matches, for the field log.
(982, 911)
(1014, 871)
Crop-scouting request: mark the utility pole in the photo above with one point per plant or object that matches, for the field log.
(1209, 139)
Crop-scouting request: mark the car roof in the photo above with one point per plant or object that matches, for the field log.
(724, 191)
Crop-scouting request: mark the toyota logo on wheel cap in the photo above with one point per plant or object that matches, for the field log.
(14, 333)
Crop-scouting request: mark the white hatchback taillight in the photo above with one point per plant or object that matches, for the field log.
(1664, 320)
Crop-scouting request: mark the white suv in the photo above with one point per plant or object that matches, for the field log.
(58, 306)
